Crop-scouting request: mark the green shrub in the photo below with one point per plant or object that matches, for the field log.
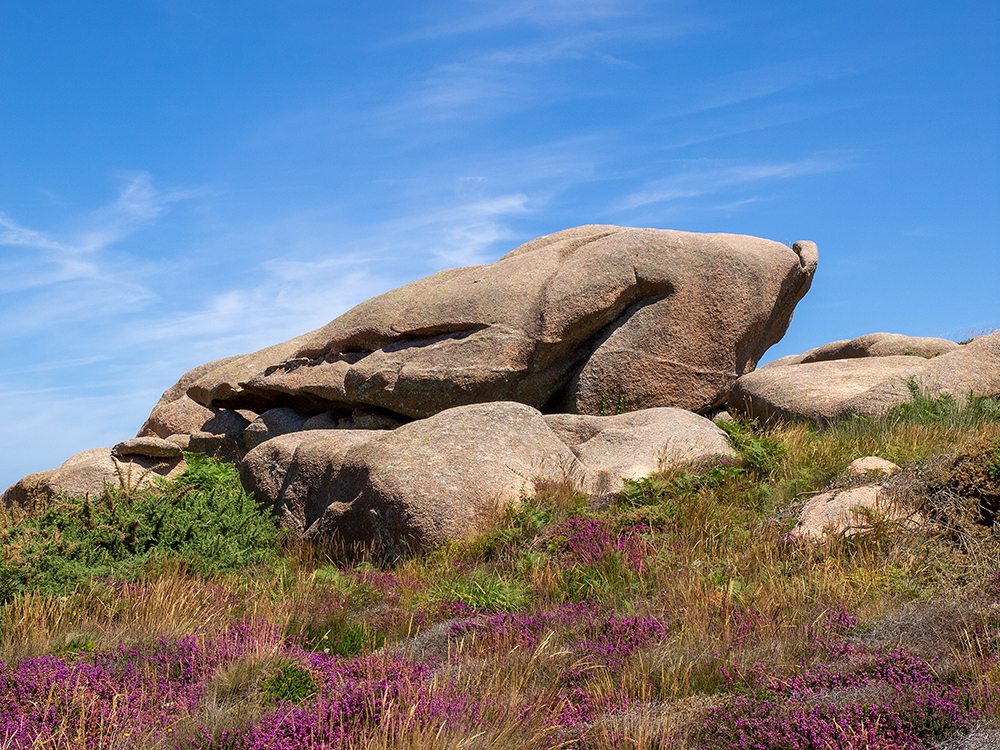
(290, 683)
(943, 409)
(760, 453)
(483, 591)
(203, 515)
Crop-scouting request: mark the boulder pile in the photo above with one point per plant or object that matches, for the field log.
(440, 477)
(412, 416)
(586, 356)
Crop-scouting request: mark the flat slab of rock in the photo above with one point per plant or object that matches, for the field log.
(870, 345)
(89, 473)
(594, 315)
(148, 446)
(825, 391)
(637, 444)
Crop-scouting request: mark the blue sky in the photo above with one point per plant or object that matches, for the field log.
(183, 180)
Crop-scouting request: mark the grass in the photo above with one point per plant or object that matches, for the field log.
(677, 613)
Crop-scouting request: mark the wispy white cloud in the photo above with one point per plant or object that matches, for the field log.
(707, 178)
(756, 83)
(464, 233)
(506, 77)
(78, 256)
(61, 364)
(484, 15)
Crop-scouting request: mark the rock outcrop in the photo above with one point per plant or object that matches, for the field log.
(870, 345)
(439, 477)
(578, 321)
(89, 473)
(592, 319)
(825, 390)
(217, 432)
(637, 444)
(852, 509)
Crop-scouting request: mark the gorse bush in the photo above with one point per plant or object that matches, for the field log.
(204, 516)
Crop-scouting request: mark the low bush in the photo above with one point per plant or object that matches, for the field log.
(204, 516)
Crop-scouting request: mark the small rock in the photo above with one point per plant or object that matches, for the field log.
(270, 424)
(872, 464)
(328, 420)
(843, 512)
(148, 446)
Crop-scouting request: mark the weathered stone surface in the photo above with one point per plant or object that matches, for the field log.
(328, 420)
(825, 391)
(637, 444)
(871, 465)
(566, 322)
(296, 474)
(373, 418)
(834, 512)
(176, 414)
(181, 441)
(270, 424)
(870, 345)
(419, 484)
(222, 447)
(822, 391)
(848, 512)
(147, 446)
(221, 383)
(88, 473)
(186, 417)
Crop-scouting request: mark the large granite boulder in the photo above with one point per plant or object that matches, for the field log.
(580, 320)
(639, 443)
(422, 483)
(826, 390)
(438, 478)
(295, 475)
(90, 472)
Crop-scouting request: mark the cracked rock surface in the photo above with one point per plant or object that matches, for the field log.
(587, 318)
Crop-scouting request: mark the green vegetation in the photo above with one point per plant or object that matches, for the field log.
(677, 612)
(204, 517)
